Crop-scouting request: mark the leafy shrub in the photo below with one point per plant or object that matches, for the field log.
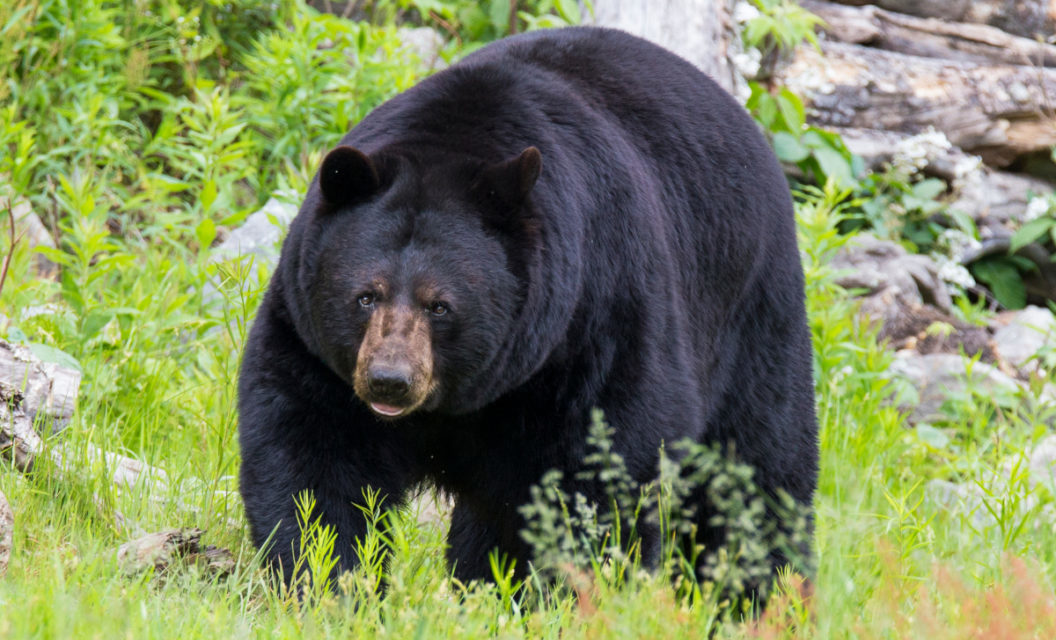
(479, 22)
(820, 155)
(568, 532)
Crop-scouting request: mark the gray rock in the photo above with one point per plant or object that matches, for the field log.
(32, 231)
(970, 498)
(259, 238)
(996, 197)
(260, 234)
(964, 498)
(1043, 462)
(1029, 331)
(424, 43)
(886, 270)
(936, 376)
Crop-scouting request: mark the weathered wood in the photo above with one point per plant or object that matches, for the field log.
(39, 394)
(173, 547)
(43, 391)
(1029, 18)
(996, 111)
(929, 37)
(701, 31)
(32, 393)
(7, 533)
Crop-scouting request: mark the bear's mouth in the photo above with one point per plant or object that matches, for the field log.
(387, 410)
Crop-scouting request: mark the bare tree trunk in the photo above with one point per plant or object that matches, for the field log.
(701, 31)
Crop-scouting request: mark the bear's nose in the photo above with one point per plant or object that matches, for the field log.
(389, 383)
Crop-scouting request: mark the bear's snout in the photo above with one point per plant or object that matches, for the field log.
(394, 366)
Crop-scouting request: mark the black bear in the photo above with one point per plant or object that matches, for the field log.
(565, 220)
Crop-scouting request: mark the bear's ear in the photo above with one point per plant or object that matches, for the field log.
(347, 174)
(511, 180)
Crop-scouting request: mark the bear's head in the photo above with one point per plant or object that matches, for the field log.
(417, 272)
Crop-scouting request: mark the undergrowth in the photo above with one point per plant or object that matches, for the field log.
(142, 131)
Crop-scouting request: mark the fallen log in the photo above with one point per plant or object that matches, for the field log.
(1028, 18)
(35, 394)
(929, 37)
(164, 550)
(999, 112)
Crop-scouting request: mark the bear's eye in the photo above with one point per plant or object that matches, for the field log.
(366, 300)
(438, 308)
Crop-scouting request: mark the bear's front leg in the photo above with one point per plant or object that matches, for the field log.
(301, 429)
(475, 535)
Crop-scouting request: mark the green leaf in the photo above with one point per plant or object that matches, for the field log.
(569, 10)
(929, 189)
(834, 166)
(1030, 232)
(857, 165)
(813, 139)
(51, 354)
(788, 148)
(208, 196)
(934, 438)
(206, 233)
(95, 321)
(1003, 279)
(758, 92)
(58, 256)
(16, 335)
(755, 30)
(766, 111)
(1021, 263)
(792, 110)
(499, 14)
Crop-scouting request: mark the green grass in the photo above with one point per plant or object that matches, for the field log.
(140, 149)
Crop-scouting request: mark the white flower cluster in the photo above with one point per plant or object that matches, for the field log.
(748, 62)
(955, 273)
(966, 166)
(956, 243)
(1037, 207)
(745, 12)
(916, 152)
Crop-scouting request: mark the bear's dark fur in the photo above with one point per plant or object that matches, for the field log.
(564, 220)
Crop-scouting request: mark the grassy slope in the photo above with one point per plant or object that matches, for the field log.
(159, 360)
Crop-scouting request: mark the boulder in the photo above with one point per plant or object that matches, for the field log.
(935, 377)
(1026, 335)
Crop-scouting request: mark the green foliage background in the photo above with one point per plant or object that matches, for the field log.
(141, 130)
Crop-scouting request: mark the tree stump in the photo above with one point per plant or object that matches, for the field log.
(701, 31)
